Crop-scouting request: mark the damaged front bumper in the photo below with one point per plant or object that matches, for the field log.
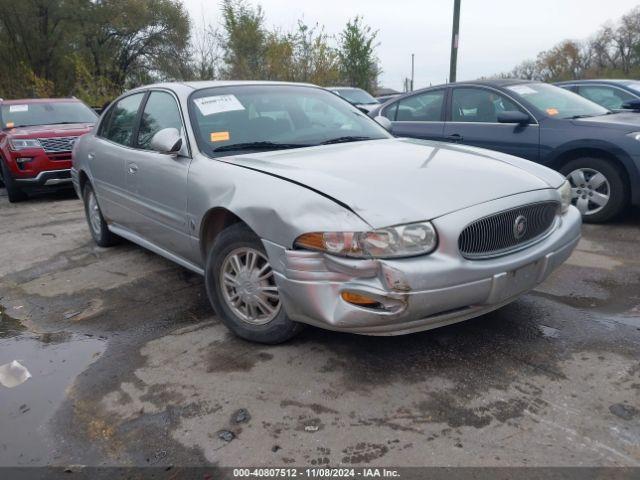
(419, 293)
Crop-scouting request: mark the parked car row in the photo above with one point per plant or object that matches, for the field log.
(298, 208)
(596, 149)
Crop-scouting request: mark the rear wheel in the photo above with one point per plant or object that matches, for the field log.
(598, 188)
(14, 193)
(241, 287)
(97, 225)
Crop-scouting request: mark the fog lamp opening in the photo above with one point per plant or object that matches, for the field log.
(360, 300)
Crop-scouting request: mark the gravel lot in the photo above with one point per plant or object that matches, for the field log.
(131, 367)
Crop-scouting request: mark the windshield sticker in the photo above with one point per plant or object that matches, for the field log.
(523, 90)
(18, 108)
(218, 104)
(552, 111)
(220, 136)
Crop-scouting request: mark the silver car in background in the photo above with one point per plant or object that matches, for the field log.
(299, 209)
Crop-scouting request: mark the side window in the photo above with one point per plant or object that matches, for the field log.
(608, 97)
(479, 105)
(120, 120)
(161, 111)
(424, 107)
(390, 111)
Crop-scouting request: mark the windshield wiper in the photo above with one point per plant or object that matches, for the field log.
(352, 138)
(575, 117)
(259, 146)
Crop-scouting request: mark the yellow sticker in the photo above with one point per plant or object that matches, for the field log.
(220, 136)
(552, 111)
(10, 124)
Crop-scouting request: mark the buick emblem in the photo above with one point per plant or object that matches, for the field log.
(520, 227)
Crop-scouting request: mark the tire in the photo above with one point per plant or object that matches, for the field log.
(97, 225)
(587, 187)
(14, 193)
(266, 327)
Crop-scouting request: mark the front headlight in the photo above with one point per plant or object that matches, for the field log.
(392, 242)
(24, 143)
(565, 195)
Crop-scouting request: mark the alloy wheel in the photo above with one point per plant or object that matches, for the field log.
(590, 190)
(248, 286)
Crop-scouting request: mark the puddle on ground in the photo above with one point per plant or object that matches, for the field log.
(54, 361)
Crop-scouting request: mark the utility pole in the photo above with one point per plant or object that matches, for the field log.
(453, 66)
(412, 65)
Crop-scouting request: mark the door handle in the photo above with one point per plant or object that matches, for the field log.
(91, 155)
(133, 168)
(456, 137)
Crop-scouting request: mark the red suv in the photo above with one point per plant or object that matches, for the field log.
(36, 139)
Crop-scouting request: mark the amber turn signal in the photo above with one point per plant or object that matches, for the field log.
(359, 299)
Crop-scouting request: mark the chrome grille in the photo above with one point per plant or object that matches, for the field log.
(503, 232)
(57, 144)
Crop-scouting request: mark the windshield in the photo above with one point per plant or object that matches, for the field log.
(233, 120)
(557, 102)
(356, 96)
(45, 113)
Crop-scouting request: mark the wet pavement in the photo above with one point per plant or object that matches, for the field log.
(130, 366)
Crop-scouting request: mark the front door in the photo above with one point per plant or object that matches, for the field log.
(157, 182)
(473, 120)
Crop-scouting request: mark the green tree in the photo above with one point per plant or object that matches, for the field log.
(244, 40)
(356, 49)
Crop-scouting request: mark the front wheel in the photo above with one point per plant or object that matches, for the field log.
(598, 188)
(14, 193)
(241, 287)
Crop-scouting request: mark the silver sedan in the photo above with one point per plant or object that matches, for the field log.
(299, 209)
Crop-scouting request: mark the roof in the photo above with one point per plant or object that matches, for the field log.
(342, 88)
(37, 100)
(198, 85)
(386, 91)
(498, 82)
(599, 80)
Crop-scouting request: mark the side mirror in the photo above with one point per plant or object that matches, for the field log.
(514, 117)
(167, 140)
(631, 105)
(384, 122)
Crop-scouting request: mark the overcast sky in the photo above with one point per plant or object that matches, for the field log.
(495, 35)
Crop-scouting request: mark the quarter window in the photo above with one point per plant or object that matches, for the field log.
(608, 97)
(423, 107)
(160, 112)
(479, 105)
(120, 121)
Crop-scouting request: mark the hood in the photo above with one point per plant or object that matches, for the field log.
(394, 181)
(41, 131)
(622, 120)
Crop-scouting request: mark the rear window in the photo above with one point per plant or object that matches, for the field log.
(26, 114)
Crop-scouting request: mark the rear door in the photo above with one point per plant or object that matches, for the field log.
(157, 182)
(473, 120)
(107, 156)
(418, 116)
